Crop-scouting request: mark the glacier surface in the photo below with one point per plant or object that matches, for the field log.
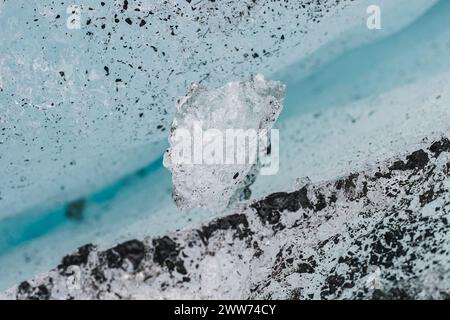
(107, 123)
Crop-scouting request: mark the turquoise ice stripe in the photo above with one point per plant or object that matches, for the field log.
(109, 192)
(19, 229)
(25, 227)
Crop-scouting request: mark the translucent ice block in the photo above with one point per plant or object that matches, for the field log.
(217, 138)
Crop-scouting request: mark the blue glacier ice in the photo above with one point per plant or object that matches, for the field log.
(84, 113)
(81, 108)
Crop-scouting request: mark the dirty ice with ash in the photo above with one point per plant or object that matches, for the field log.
(85, 114)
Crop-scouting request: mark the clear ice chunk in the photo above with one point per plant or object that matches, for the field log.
(218, 140)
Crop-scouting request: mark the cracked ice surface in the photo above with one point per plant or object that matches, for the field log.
(242, 107)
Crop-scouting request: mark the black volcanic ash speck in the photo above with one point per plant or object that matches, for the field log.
(133, 251)
(269, 208)
(417, 160)
(237, 222)
(76, 209)
(79, 258)
(440, 146)
(28, 292)
(167, 253)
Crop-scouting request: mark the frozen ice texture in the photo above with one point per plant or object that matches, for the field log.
(90, 145)
(380, 233)
(206, 179)
(80, 108)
